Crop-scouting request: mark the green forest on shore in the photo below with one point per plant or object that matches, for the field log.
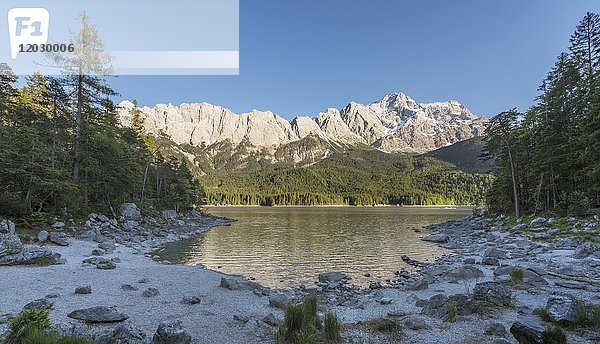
(548, 158)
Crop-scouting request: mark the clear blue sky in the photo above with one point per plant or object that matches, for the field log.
(301, 57)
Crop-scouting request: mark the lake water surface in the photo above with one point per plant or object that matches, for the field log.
(287, 246)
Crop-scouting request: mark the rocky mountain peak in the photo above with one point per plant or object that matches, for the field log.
(396, 123)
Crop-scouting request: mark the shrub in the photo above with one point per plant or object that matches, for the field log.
(37, 336)
(331, 328)
(555, 335)
(27, 321)
(516, 275)
(452, 310)
(300, 323)
(543, 314)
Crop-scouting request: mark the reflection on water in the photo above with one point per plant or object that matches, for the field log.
(284, 246)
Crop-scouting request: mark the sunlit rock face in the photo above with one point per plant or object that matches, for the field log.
(395, 124)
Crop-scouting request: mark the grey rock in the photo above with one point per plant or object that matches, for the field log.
(332, 277)
(490, 261)
(271, 320)
(495, 253)
(130, 211)
(98, 252)
(533, 278)
(106, 265)
(31, 255)
(279, 300)
(115, 260)
(241, 318)
(10, 244)
(58, 225)
(151, 292)
(467, 272)
(417, 285)
(495, 329)
(43, 236)
(469, 261)
(107, 246)
(103, 218)
(7, 227)
(83, 290)
(39, 304)
(171, 332)
(71, 329)
(238, 283)
(528, 330)
(385, 301)
(126, 333)
(98, 315)
(415, 324)
(492, 294)
(567, 311)
(190, 300)
(584, 250)
(570, 242)
(437, 238)
(128, 287)
(538, 221)
(144, 280)
(58, 238)
(519, 227)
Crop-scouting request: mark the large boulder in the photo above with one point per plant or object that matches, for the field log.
(537, 222)
(7, 227)
(71, 329)
(528, 330)
(437, 238)
(584, 250)
(39, 304)
(492, 294)
(495, 253)
(126, 333)
(130, 212)
(58, 238)
(171, 332)
(332, 277)
(31, 255)
(238, 283)
(567, 311)
(99, 314)
(10, 244)
(466, 272)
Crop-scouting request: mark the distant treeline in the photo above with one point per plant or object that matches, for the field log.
(548, 159)
(356, 177)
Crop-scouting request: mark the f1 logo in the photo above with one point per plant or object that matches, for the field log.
(27, 26)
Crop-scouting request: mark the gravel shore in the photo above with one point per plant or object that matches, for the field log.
(485, 255)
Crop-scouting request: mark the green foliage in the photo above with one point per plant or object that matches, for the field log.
(61, 145)
(21, 326)
(452, 310)
(516, 275)
(555, 335)
(301, 325)
(547, 160)
(331, 328)
(37, 336)
(350, 176)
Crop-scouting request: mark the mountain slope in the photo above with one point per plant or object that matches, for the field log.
(395, 124)
(465, 155)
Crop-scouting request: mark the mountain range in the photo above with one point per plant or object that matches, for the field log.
(395, 151)
(396, 123)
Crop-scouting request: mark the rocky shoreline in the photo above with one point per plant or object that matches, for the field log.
(488, 290)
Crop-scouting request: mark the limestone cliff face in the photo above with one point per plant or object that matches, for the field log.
(395, 124)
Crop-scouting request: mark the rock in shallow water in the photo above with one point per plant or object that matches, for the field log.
(437, 238)
(98, 315)
(332, 277)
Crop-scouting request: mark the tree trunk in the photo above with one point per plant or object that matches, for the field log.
(78, 122)
(514, 182)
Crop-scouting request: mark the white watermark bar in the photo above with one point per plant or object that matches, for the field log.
(134, 37)
(177, 62)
